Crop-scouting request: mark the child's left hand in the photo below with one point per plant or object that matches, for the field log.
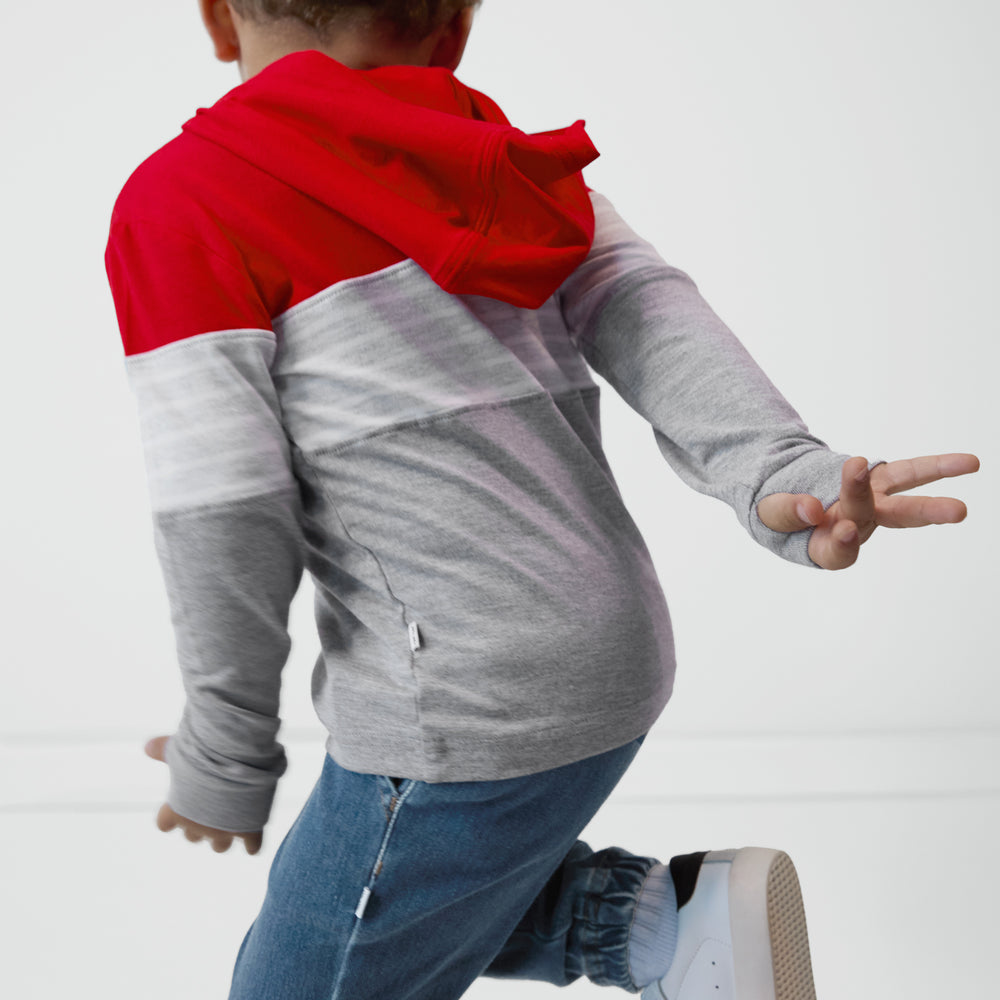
(167, 819)
(867, 501)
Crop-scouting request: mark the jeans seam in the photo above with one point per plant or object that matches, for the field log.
(372, 876)
(631, 927)
(594, 896)
(390, 827)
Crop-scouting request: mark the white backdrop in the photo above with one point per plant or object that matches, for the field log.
(827, 174)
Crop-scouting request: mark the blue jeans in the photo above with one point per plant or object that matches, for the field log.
(403, 890)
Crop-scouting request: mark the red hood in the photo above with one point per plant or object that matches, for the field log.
(429, 165)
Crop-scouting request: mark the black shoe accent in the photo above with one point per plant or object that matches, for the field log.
(684, 871)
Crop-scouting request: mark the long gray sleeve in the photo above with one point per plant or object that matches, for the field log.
(227, 532)
(718, 420)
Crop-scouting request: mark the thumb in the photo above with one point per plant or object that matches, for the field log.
(157, 748)
(789, 512)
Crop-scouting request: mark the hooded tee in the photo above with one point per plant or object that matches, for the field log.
(360, 311)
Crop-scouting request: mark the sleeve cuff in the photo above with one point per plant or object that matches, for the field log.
(238, 802)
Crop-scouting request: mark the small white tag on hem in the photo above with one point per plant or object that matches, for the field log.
(363, 902)
(415, 640)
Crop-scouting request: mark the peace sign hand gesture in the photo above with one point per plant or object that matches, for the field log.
(868, 500)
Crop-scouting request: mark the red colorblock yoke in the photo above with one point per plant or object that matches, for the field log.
(213, 232)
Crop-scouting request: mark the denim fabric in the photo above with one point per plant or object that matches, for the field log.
(451, 881)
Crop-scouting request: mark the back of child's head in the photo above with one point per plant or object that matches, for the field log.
(409, 19)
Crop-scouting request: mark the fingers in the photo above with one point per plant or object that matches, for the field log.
(789, 512)
(166, 819)
(857, 501)
(157, 748)
(918, 512)
(909, 473)
(835, 546)
(836, 542)
(220, 840)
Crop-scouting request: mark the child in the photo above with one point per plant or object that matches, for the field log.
(359, 308)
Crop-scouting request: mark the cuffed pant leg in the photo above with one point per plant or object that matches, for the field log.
(580, 923)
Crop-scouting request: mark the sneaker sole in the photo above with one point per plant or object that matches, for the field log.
(770, 940)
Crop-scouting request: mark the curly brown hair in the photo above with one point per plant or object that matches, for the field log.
(405, 18)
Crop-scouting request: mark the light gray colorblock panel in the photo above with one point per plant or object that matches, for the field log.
(210, 421)
(391, 348)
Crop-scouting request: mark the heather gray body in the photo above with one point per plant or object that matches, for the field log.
(436, 460)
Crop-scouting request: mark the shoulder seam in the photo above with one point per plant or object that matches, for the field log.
(247, 333)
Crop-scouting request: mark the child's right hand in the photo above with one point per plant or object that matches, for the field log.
(868, 500)
(167, 819)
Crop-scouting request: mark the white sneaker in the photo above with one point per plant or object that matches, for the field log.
(741, 931)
